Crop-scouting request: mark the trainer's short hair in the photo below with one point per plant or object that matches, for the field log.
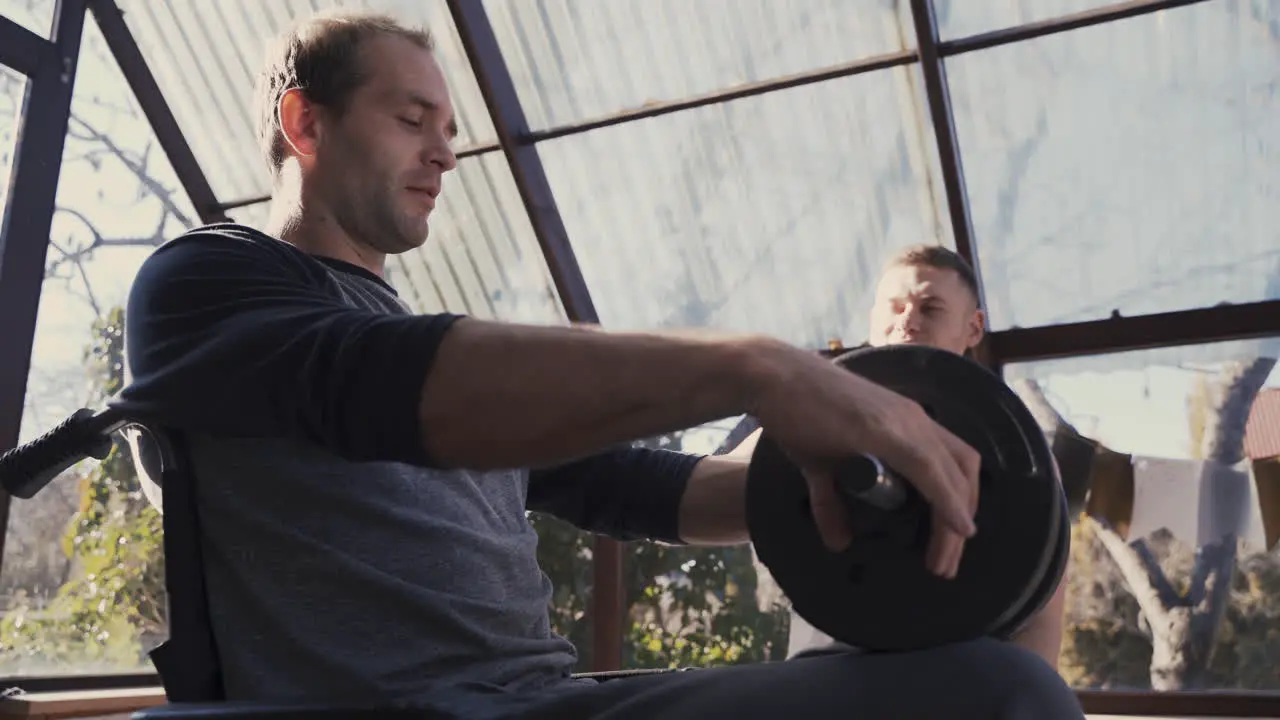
(939, 257)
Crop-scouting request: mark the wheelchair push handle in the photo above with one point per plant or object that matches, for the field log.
(26, 469)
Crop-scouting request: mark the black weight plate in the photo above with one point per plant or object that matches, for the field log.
(1048, 583)
(879, 595)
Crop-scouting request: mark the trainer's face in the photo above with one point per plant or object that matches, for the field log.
(922, 305)
(382, 162)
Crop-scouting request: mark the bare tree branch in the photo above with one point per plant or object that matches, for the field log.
(149, 183)
(1143, 575)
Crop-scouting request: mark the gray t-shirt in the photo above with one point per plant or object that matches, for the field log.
(341, 562)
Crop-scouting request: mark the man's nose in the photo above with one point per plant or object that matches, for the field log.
(910, 319)
(440, 154)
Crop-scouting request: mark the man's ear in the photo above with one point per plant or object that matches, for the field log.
(977, 327)
(299, 122)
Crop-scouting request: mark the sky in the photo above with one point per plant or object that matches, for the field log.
(1138, 410)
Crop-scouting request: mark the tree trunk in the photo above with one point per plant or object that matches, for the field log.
(1181, 653)
(1184, 628)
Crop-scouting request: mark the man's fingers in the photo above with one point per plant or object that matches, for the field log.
(968, 463)
(933, 471)
(829, 512)
(965, 468)
(945, 548)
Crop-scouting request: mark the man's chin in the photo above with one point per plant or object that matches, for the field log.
(408, 241)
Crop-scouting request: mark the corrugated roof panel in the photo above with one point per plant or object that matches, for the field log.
(959, 18)
(1131, 166)
(206, 57)
(575, 59)
(578, 59)
(769, 214)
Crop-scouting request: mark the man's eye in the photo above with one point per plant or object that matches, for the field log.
(415, 124)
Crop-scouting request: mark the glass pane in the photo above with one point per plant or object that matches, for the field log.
(1173, 451)
(961, 18)
(481, 258)
(13, 88)
(1130, 166)
(576, 60)
(205, 56)
(81, 582)
(34, 15)
(770, 214)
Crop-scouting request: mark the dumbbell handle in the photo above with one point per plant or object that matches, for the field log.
(864, 479)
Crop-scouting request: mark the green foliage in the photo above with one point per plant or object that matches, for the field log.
(564, 553)
(111, 610)
(687, 606)
(698, 607)
(1248, 652)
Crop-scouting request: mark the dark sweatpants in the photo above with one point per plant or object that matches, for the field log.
(979, 680)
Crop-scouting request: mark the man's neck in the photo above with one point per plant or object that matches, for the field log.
(314, 230)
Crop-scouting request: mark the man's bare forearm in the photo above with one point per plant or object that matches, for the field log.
(713, 510)
(502, 395)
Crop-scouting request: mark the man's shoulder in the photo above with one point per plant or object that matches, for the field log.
(223, 257)
(223, 242)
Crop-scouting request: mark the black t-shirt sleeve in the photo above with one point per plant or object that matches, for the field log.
(628, 493)
(233, 333)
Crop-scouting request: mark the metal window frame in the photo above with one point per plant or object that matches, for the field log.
(23, 50)
(24, 234)
(32, 55)
(128, 56)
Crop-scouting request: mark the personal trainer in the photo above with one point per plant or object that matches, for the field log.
(363, 473)
(928, 295)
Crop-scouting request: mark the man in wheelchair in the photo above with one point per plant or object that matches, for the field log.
(362, 474)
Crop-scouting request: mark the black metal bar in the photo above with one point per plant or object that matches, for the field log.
(464, 153)
(28, 215)
(1211, 703)
(1064, 23)
(1121, 334)
(944, 130)
(142, 82)
(66, 683)
(857, 67)
(499, 91)
(245, 202)
(22, 49)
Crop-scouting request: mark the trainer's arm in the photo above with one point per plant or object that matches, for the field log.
(628, 493)
(713, 510)
(1043, 633)
(640, 493)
